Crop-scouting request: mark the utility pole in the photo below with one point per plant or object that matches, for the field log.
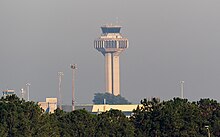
(73, 67)
(22, 93)
(60, 74)
(181, 89)
(28, 91)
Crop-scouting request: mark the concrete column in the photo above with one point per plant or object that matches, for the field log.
(116, 75)
(108, 72)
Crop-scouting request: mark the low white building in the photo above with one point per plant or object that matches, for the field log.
(8, 92)
(49, 106)
(127, 109)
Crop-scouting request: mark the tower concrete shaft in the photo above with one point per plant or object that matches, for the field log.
(111, 44)
(112, 73)
(108, 72)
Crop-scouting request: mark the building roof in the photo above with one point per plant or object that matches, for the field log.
(106, 107)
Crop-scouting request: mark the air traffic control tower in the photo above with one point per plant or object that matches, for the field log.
(111, 44)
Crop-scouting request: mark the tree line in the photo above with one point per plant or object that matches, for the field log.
(102, 98)
(172, 118)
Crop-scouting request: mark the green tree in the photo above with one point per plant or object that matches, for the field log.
(210, 111)
(78, 123)
(110, 99)
(114, 123)
(173, 118)
(25, 119)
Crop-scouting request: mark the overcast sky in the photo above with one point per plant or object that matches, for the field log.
(170, 41)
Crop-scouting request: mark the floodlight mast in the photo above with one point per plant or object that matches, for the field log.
(28, 91)
(60, 74)
(73, 67)
(182, 89)
(22, 93)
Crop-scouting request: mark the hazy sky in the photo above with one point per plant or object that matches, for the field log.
(170, 41)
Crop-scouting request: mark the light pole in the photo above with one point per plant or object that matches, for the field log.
(207, 127)
(22, 93)
(73, 67)
(181, 89)
(60, 74)
(28, 91)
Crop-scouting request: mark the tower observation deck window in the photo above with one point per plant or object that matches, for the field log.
(107, 44)
(123, 44)
(115, 44)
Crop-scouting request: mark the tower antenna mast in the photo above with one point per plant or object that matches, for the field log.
(116, 20)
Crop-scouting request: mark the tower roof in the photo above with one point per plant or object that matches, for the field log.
(111, 29)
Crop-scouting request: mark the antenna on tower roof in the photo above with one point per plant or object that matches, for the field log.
(116, 20)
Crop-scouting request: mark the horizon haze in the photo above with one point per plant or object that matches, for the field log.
(169, 41)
